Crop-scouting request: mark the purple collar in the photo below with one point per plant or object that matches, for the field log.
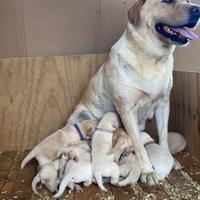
(79, 132)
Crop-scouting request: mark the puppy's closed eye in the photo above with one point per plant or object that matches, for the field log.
(115, 124)
(168, 1)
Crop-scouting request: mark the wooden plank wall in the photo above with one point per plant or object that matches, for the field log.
(185, 108)
(50, 27)
(38, 94)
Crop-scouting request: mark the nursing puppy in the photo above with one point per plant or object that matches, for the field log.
(47, 149)
(159, 157)
(137, 78)
(48, 176)
(78, 167)
(103, 164)
(129, 169)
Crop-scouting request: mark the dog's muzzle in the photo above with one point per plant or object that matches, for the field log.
(194, 16)
(180, 33)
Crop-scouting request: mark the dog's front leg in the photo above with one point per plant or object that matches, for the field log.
(162, 117)
(130, 121)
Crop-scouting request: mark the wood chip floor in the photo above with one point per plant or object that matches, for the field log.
(16, 183)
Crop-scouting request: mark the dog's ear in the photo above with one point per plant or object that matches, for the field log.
(133, 13)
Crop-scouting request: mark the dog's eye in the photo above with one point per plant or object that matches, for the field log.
(167, 1)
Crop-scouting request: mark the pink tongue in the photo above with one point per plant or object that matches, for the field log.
(186, 33)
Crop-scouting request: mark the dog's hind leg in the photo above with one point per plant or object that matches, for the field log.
(64, 183)
(99, 180)
(36, 180)
(132, 178)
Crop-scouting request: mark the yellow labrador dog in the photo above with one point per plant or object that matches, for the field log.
(137, 78)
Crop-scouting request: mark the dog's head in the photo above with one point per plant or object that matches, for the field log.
(110, 121)
(89, 127)
(168, 20)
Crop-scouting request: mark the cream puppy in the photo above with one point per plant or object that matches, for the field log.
(130, 170)
(47, 175)
(47, 149)
(78, 169)
(162, 162)
(176, 142)
(103, 164)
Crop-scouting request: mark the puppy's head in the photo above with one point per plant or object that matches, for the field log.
(89, 127)
(168, 20)
(49, 178)
(110, 121)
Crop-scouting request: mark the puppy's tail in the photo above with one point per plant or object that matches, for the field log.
(99, 180)
(64, 183)
(30, 156)
(35, 181)
(132, 178)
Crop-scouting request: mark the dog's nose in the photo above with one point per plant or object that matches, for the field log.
(195, 10)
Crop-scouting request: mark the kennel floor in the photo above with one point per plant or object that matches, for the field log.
(16, 183)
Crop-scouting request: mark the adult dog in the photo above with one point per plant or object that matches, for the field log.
(137, 78)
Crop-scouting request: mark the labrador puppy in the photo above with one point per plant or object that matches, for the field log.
(129, 169)
(103, 164)
(176, 142)
(48, 176)
(160, 159)
(78, 168)
(47, 149)
(136, 80)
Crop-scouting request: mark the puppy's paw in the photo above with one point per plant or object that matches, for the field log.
(87, 183)
(56, 195)
(177, 165)
(78, 188)
(150, 178)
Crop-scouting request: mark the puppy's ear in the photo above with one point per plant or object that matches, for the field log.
(76, 159)
(84, 115)
(115, 124)
(133, 13)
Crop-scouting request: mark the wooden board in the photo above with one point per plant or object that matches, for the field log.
(38, 94)
(185, 108)
(16, 183)
(49, 27)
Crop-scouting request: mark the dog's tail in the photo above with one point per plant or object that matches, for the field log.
(64, 183)
(132, 179)
(30, 156)
(99, 180)
(35, 181)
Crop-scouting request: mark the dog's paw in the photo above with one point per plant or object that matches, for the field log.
(177, 165)
(150, 178)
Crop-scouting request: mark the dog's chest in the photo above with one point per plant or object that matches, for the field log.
(149, 83)
(145, 108)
